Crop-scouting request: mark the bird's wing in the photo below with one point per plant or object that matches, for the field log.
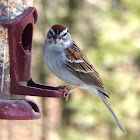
(78, 64)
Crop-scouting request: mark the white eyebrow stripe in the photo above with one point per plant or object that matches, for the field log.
(52, 31)
(63, 32)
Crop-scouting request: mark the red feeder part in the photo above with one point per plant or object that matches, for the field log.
(20, 33)
(19, 110)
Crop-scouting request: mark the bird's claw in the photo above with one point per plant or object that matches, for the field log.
(61, 88)
(66, 92)
(66, 95)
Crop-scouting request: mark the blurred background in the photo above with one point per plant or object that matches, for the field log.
(108, 31)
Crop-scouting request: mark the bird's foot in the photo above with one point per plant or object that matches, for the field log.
(62, 88)
(67, 93)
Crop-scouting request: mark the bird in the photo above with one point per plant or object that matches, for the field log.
(67, 61)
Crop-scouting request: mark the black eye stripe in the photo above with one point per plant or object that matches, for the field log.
(51, 32)
(65, 34)
(58, 32)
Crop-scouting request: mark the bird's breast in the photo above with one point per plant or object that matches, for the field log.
(55, 62)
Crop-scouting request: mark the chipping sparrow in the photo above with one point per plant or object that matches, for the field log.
(65, 59)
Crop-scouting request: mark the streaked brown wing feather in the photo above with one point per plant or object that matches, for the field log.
(79, 65)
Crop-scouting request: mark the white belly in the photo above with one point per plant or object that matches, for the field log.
(54, 62)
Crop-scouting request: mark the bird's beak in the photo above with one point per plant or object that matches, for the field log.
(56, 38)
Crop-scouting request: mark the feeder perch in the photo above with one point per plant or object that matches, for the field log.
(20, 34)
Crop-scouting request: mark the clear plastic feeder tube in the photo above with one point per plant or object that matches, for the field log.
(9, 9)
(4, 64)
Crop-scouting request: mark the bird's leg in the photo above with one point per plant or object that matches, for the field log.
(67, 93)
(62, 88)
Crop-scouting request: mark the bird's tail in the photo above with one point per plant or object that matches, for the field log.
(103, 98)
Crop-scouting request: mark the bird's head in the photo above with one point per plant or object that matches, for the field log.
(59, 34)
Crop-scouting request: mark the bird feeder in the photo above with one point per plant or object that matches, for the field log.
(13, 102)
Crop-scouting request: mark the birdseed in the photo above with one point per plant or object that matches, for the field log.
(9, 9)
